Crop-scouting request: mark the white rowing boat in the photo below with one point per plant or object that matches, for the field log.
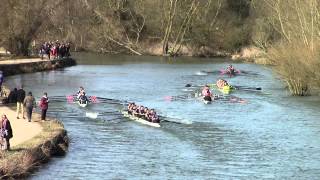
(140, 120)
(83, 104)
(204, 101)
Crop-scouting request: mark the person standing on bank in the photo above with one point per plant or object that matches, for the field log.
(21, 94)
(7, 129)
(44, 106)
(29, 102)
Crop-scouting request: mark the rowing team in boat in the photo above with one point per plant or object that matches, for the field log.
(143, 112)
(207, 94)
(81, 96)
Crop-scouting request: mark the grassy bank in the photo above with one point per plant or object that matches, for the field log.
(26, 157)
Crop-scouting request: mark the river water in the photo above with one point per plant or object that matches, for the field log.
(271, 136)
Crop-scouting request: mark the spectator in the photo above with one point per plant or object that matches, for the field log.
(48, 48)
(21, 94)
(6, 130)
(12, 98)
(44, 106)
(42, 51)
(29, 102)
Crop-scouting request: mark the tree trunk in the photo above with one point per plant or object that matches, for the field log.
(19, 46)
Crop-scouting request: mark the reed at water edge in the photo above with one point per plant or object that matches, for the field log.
(298, 65)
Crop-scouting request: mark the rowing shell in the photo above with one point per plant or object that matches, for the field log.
(204, 101)
(140, 120)
(83, 105)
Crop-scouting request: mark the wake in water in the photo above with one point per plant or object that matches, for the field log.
(92, 115)
(201, 73)
(108, 110)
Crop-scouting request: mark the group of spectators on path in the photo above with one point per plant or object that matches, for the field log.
(25, 103)
(28, 104)
(55, 50)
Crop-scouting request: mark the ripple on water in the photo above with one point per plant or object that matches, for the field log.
(270, 137)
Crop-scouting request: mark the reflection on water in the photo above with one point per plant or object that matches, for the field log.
(272, 136)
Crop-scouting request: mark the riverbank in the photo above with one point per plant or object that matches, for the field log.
(19, 66)
(33, 143)
(249, 54)
(46, 139)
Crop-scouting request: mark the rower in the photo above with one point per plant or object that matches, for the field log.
(230, 70)
(136, 111)
(221, 83)
(83, 99)
(154, 117)
(146, 115)
(129, 108)
(81, 92)
(141, 112)
(206, 93)
(133, 109)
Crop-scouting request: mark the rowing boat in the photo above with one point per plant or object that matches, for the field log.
(226, 89)
(205, 101)
(140, 120)
(201, 98)
(235, 72)
(82, 104)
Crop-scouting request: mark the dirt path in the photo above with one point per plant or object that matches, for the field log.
(22, 129)
(22, 61)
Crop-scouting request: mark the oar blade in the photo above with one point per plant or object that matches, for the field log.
(69, 98)
(93, 99)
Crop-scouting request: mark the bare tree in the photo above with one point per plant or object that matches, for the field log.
(23, 21)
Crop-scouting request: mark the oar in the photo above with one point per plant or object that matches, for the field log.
(171, 98)
(235, 87)
(69, 98)
(162, 119)
(93, 99)
(247, 88)
(222, 71)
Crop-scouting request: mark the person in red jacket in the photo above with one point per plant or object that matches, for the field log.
(44, 106)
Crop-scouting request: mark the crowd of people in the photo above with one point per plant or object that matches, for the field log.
(143, 112)
(54, 50)
(26, 104)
